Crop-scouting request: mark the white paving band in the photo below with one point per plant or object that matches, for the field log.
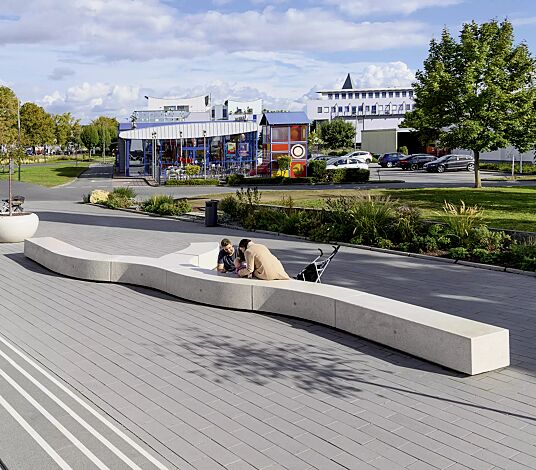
(103, 420)
(90, 455)
(37, 437)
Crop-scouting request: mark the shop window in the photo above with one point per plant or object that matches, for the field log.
(280, 134)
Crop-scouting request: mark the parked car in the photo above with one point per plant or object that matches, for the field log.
(324, 158)
(388, 160)
(415, 161)
(362, 154)
(346, 162)
(451, 162)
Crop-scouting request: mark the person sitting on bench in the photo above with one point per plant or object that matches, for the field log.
(260, 263)
(226, 257)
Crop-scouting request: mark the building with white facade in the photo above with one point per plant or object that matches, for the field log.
(365, 108)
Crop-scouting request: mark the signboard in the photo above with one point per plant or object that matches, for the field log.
(243, 150)
(231, 148)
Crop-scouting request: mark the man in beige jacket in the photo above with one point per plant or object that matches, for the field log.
(260, 262)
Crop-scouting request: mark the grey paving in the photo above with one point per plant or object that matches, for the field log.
(201, 387)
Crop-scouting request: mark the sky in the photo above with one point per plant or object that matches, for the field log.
(101, 57)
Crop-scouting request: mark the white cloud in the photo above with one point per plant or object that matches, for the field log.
(367, 7)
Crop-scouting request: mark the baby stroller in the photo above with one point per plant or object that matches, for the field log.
(314, 270)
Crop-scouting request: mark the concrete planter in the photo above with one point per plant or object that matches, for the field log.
(17, 228)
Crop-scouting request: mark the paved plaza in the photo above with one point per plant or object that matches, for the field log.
(122, 377)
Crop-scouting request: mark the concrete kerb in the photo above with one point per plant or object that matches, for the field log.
(457, 343)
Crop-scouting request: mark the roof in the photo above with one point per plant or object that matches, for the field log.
(348, 83)
(189, 130)
(284, 118)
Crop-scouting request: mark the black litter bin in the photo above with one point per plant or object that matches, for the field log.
(211, 213)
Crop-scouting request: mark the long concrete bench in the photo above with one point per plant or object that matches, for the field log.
(457, 343)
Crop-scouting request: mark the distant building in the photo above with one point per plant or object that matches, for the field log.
(366, 108)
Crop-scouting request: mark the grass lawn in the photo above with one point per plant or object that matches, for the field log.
(49, 175)
(506, 208)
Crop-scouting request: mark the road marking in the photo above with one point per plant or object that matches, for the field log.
(90, 455)
(44, 444)
(103, 420)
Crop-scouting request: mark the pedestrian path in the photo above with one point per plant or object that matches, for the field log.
(200, 387)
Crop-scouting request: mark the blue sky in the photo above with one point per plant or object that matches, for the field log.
(94, 57)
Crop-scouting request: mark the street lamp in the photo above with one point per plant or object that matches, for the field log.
(205, 151)
(153, 172)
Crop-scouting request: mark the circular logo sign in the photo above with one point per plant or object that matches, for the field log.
(297, 151)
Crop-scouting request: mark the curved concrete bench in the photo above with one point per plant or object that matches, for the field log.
(457, 343)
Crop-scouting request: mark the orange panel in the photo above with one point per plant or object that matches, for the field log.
(298, 169)
(279, 147)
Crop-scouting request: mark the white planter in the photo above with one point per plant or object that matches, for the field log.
(17, 228)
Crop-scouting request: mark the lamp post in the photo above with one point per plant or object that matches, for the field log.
(180, 135)
(153, 172)
(205, 151)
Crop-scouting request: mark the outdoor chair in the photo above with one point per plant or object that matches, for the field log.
(16, 204)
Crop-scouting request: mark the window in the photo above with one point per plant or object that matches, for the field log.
(380, 109)
(340, 109)
(343, 96)
(280, 134)
(390, 94)
(350, 96)
(401, 108)
(326, 109)
(397, 94)
(330, 96)
(360, 108)
(384, 94)
(403, 94)
(347, 109)
(333, 109)
(408, 107)
(371, 95)
(336, 96)
(374, 109)
(319, 110)
(298, 133)
(410, 93)
(354, 109)
(387, 109)
(367, 109)
(377, 94)
(363, 95)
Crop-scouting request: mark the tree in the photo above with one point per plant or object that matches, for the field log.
(477, 93)
(314, 140)
(107, 129)
(337, 133)
(8, 116)
(67, 129)
(90, 137)
(37, 126)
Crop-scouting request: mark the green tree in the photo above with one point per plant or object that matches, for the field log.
(107, 129)
(314, 140)
(337, 133)
(8, 116)
(37, 126)
(67, 129)
(476, 93)
(89, 136)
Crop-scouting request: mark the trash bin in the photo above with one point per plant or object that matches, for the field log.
(211, 213)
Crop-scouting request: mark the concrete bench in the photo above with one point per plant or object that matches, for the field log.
(457, 343)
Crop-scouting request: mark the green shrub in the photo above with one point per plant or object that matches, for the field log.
(235, 179)
(528, 168)
(192, 170)
(384, 243)
(124, 192)
(461, 221)
(407, 224)
(316, 169)
(371, 217)
(523, 255)
(485, 256)
(336, 176)
(193, 182)
(483, 237)
(283, 162)
(118, 201)
(459, 252)
(165, 205)
(403, 150)
(85, 198)
(356, 175)
(230, 206)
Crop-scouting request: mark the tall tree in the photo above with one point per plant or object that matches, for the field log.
(8, 116)
(476, 93)
(337, 133)
(90, 137)
(66, 129)
(36, 124)
(107, 129)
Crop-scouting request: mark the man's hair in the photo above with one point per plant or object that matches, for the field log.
(225, 242)
(244, 243)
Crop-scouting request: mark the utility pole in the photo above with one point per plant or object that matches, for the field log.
(18, 131)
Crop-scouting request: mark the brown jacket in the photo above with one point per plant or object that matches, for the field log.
(262, 264)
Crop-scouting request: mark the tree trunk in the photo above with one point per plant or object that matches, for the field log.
(478, 183)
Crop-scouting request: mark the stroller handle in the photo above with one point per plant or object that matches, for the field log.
(321, 252)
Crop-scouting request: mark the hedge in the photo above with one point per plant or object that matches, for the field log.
(342, 175)
(193, 182)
